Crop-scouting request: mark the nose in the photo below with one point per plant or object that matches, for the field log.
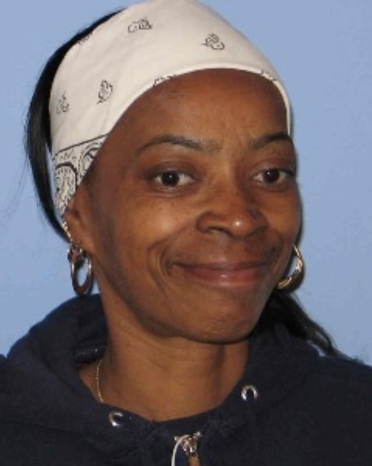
(232, 212)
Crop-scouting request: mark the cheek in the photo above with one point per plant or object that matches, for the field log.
(286, 216)
(153, 220)
(295, 216)
(288, 222)
(140, 230)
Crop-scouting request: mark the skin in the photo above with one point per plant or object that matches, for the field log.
(189, 216)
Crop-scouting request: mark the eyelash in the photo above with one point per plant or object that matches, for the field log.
(282, 175)
(181, 178)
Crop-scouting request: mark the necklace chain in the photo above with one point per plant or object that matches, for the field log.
(189, 443)
(97, 379)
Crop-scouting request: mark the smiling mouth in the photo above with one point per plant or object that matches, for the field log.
(226, 274)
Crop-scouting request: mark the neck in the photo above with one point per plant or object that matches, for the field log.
(166, 378)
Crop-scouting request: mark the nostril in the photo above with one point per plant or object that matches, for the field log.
(233, 222)
(255, 213)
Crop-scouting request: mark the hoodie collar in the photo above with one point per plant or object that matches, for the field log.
(40, 383)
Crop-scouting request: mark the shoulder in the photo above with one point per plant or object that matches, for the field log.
(75, 323)
(343, 372)
(340, 388)
(347, 384)
(333, 389)
(326, 416)
(69, 317)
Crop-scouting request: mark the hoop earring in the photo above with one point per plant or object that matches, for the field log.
(297, 274)
(77, 258)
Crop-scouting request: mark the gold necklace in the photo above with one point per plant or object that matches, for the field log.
(97, 379)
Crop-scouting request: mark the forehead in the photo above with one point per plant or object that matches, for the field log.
(218, 110)
(207, 98)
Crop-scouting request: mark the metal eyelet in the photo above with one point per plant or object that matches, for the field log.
(248, 392)
(116, 418)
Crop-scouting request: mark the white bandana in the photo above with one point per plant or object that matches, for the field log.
(135, 50)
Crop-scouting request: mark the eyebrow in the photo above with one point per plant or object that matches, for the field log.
(177, 140)
(266, 139)
(202, 145)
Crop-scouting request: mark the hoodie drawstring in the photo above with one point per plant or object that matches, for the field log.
(189, 444)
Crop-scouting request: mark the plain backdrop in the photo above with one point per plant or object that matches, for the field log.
(323, 51)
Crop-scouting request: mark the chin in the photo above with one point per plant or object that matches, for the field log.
(226, 327)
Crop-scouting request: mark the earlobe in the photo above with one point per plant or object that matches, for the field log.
(73, 223)
(77, 219)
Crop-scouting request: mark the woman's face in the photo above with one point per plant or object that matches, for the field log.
(192, 208)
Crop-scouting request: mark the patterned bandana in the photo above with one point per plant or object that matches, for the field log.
(135, 50)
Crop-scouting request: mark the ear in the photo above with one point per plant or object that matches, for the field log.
(79, 219)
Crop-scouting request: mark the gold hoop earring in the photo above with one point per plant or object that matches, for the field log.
(78, 258)
(297, 274)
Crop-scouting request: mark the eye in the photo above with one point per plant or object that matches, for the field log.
(173, 178)
(274, 175)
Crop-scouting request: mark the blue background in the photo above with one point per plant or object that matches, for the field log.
(323, 51)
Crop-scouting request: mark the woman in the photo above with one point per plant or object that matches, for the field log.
(174, 172)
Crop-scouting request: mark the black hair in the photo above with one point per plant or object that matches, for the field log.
(37, 139)
(282, 307)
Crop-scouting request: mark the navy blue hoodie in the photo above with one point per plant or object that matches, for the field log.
(292, 407)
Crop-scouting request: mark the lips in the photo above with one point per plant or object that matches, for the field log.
(225, 273)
